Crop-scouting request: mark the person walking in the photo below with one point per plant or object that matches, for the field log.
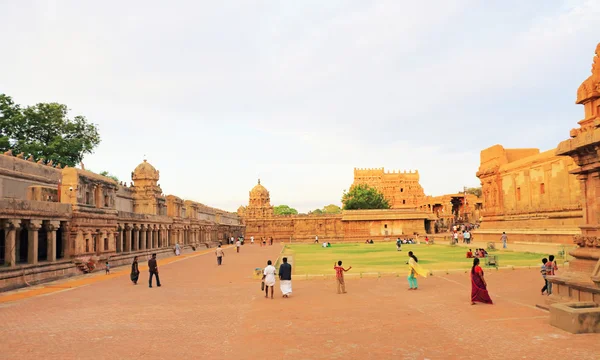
(551, 267)
(504, 239)
(414, 270)
(153, 268)
(238, 244)
(177, 249)
(543, 272)
(135, 271)
(271, 241)
(339, 276)
(251, 240)
(467, 237)
(285, 278)
(220, 253)
(269, 278)
(479, 292)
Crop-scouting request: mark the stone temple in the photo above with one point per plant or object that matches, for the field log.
(61, 222)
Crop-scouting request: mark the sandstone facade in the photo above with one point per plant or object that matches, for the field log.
(55, 219)
(353, 225)
(530, 195)
(581, 283)
(401, 189)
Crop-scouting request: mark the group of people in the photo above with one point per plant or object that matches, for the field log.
(152, 268)
(285, 278)
(464, 235)
(548, 268)
(479, 253)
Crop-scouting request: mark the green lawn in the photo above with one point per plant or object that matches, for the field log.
(383, 257)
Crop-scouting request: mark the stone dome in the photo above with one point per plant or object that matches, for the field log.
(145, 171)
(259, 191)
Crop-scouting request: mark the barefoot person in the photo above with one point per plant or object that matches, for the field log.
(339, 276)
(153, 268)
(414, 270)
(269, 278)
(285, 278)
(238, 243)
(479, 291)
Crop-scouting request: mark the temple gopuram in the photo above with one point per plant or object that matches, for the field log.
(60, 222)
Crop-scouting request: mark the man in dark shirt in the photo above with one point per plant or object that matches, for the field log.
(285, 278)
(153, 267)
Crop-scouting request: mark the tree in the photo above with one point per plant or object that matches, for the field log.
(109, 175)
(331, 209)
(474, 191)
(45, 131)
(363, 196)
(284, 210)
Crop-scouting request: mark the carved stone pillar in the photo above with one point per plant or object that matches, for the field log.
(51, 228)
(143, 230)
(136, 237)
(10, 245)
(32, 241)
(128, 229)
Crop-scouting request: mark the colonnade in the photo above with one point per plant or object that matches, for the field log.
(136, 237)
(30, 241)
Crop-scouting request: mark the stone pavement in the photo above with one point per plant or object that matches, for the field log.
(205, 311)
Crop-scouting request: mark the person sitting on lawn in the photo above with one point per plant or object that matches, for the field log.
(469, 254)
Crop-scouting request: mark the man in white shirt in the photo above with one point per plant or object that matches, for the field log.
(237, 245)
(251, 240)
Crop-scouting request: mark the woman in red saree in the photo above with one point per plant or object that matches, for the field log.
(479, 291)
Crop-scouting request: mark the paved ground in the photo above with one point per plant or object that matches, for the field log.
(205, 311)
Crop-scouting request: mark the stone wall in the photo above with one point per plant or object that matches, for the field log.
(400, 188)
(17, 175)
(529, 195)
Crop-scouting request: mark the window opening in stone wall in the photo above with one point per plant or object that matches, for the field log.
(87, 245)
(94, 243)
(385, 226)
(106, 201)
(518, 194)
(2, 246)
(105, 244)
(88, 198)
(404, 201)
(401, 189)
(22, 245)
(542, 188)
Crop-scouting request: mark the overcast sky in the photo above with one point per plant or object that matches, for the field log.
(217, 94)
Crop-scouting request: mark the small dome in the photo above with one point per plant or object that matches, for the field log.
(259, 190)
(145, 171)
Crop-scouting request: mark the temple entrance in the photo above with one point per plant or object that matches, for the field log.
(42, 245)
(2, 246)
(60, 251)
(428, 226)
(23, 246)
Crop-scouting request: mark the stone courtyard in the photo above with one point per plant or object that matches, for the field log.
(205, 311)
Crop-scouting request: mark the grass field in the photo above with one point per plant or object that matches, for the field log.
(384, 258)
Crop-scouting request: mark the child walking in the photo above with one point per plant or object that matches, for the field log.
(543, 272)
(339, 275)
(107, 267)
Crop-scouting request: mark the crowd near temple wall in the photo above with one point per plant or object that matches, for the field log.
(61, 221)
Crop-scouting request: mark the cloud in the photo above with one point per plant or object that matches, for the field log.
(216, 94)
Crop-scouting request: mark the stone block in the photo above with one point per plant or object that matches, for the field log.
(576, 317)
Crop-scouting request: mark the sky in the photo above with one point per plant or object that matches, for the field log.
(216, 94)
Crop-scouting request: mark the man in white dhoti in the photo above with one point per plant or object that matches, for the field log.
(177, 249)
(285, 278)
